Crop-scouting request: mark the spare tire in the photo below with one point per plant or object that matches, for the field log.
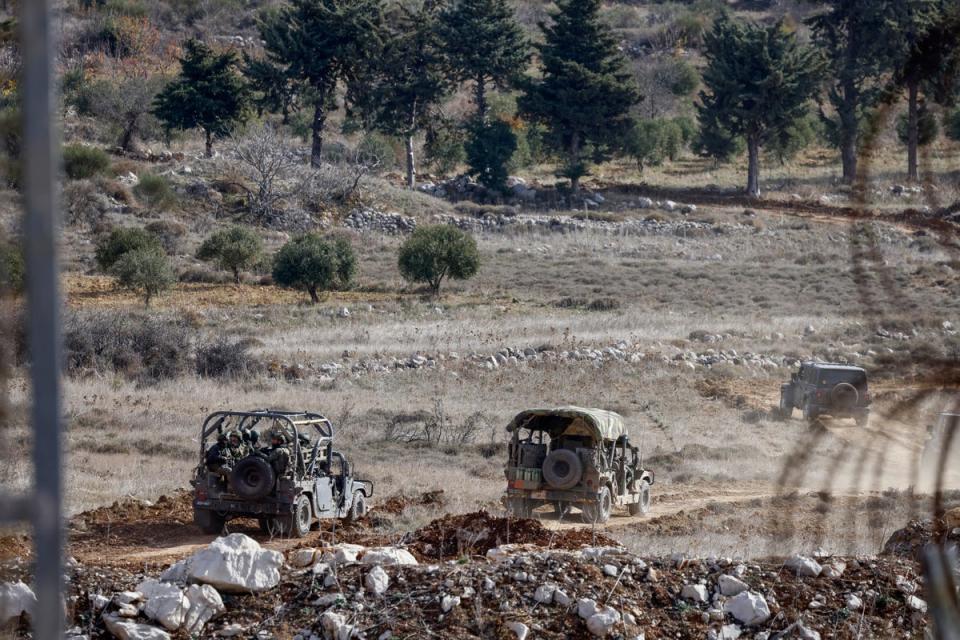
(844, 396)
(562, 469)
(253, 478)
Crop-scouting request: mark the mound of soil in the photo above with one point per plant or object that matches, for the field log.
(397, 504)
(468, 534)
(909, 541)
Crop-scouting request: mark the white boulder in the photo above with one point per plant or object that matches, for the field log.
(695, 592)
(731, 585)
(176, 572)
(16, 598)
(749, 608)
(804, 566)
(127, 630)
(377, 581)
(917, 604)
(236, 564)
(335, 627)
(544, 594)
(388, 556)
(343, 553)
(853, 602)
(449, 602)
(729, 632)
(561, 598)
(165, 603)
(586, 607)
(600, 623)
(302, 558)
(205, 605)
(519, 629)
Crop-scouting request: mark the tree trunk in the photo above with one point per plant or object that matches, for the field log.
(913, 133)
(849, 133)
(314, 298)
(411, 164)
(236, 275)
(480, 98)
(319, 121)
(126, 139)
(209, 147)
(753, 167)
(575, 162)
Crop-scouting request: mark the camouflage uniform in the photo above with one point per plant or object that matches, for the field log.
(232, 453)
(215, 454)
(279, 455)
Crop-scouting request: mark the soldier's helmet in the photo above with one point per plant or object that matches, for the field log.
(235, 434)
(278, 437)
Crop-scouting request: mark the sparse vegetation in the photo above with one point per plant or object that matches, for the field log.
(12, 268)
(234, 249)
(435, 253)
(122, 240)
(81, 161)
(146, 272)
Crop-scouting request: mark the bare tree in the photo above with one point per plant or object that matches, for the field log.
(268, 162)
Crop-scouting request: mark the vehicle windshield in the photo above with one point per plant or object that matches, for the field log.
(832, 377)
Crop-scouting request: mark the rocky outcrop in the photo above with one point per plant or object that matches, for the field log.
(235, 564)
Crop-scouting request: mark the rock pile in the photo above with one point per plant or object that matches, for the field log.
(366, 219)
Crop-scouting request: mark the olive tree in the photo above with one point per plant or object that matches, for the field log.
(435, 252)
(146, 272)
(233, 249)
(111, 247)
(313, 264)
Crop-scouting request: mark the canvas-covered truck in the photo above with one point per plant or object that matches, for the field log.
(314, 482)
(571, 457)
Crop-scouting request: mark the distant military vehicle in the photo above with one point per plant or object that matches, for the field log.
(821, 388)
(574, 457)
(316, 481)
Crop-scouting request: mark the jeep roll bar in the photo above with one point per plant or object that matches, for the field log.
(249, 419)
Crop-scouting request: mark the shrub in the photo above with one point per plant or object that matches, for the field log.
(146, 272)
(12, 268)
(378, 151)
(225, 358)
(81, 161)
(489, 149)
(123, 240)
(435, 252)
(136, 346)
(83, 203)
(169, 232)
(155, 191)
(312, 263)
(233, 249)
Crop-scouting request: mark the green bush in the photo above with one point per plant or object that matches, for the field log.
(118, 242)
(146, 272)
(313, 264)
(12, 268)
(684, 79)
(435, 252)
(155, 191)
(927, 127)
(489, 148)
(81, 162)
(233, 249)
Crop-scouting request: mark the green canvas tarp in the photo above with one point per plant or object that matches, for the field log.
(604, 425)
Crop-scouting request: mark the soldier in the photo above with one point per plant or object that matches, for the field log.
(231, 454)
(278, 455)
(215, 454)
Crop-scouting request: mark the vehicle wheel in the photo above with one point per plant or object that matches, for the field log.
(520, 508)
(562, 469)
(786, 410)
(358, 508)
(302, 517)
(598, 512)
(643, 507)
(210, 522)
(845, 396)
(253, 478)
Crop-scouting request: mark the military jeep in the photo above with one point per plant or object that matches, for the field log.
(573, 457)
(820, 388)
(316, 484)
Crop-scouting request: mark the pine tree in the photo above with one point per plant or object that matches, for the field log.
(586, 92)
(759, 82)
(485, 45)
(401, 93)
(854, 37)
(926, 54)
(321, 43)
(209, 94)
(274, 90)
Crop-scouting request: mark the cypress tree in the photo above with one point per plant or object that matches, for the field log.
(209, 94)
(759, 82)
(586, 92)
(321, 43)
(854, 37)
(401, 93)
(485, 45)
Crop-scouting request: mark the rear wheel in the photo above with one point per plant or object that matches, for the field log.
(358, 508)
(598, 512)
(210, 522)
(520, 507)
(294, 525)
(642, 507)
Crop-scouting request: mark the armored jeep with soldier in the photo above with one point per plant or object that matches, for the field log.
(288, 486)
(571, 457)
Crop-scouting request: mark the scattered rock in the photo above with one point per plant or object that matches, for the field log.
(731, 585)
(165, 603)
(377, 581)
(601, 622)
(749, 608)
(695, 592)
(126, 630)
(388, 556)
(804, 566)
(16, 599)
(449, 602)
(519, 629)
